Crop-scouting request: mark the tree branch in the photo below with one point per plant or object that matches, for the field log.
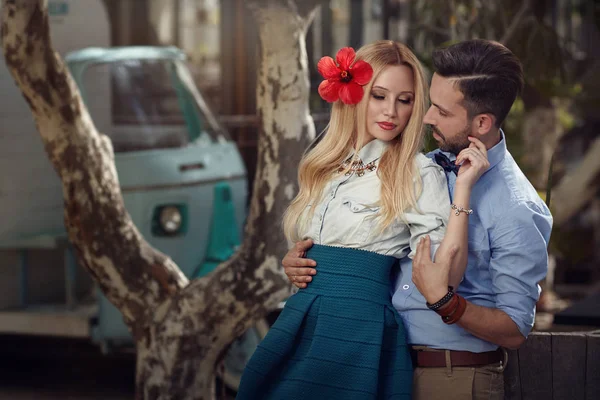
(578, 187)
(517, 20)
(430, 28)
(307, 7)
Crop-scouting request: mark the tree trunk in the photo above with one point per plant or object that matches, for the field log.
(181, 330)
(541, 131)
(356, 23)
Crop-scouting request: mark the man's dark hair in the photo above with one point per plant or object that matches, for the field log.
(488, 74)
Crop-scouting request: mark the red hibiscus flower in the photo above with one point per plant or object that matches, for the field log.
(345, 80)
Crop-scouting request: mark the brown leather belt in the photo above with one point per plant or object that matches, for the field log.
(424, 358)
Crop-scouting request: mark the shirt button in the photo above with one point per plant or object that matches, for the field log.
(405, 287)
(354, 208)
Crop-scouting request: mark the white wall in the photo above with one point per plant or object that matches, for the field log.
(30, 192)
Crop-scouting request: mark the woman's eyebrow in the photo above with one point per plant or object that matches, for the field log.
(387, 90)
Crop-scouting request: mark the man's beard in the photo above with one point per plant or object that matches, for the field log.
(457, 144)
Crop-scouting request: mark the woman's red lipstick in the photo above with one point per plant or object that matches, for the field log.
(387, 126)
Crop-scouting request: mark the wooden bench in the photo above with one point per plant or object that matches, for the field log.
(555, 366)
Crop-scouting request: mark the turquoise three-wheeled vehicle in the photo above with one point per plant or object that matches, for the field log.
(183, 182)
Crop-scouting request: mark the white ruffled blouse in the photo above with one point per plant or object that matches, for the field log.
(347, 214)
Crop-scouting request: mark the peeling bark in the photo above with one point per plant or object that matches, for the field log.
(181, 330)
(133, 276)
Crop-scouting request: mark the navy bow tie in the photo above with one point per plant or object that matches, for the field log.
(444, 162)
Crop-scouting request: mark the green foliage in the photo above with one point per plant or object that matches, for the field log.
(566, 119)
(536, 43)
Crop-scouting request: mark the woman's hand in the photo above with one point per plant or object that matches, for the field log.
(473, 163)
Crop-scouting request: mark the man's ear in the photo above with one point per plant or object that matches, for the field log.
(483, 123)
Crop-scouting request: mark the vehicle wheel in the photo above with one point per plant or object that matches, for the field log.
(240, 352)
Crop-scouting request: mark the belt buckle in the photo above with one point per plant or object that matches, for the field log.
(504, 362)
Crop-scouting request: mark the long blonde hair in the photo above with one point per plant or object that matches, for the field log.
(347, 124)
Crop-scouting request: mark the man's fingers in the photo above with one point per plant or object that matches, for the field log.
(300, 279)
(427, 248)
(291, 271)
(418, 252)
(303, 245)
(295, 262)
(299, 269)
(423, 253)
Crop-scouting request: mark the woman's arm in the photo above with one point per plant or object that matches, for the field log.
(473, 163)
(456, 236)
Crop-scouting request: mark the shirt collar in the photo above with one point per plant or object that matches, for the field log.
(498, 152)
(372, 150)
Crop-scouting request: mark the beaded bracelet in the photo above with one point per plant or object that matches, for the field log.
(458, 210)
(440, 303)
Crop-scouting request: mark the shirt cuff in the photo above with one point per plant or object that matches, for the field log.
(525, 325)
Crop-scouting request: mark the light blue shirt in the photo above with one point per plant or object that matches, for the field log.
(508, 238)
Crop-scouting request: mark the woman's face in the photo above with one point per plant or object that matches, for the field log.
(390, 103)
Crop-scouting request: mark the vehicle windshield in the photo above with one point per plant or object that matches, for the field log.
(148, 104)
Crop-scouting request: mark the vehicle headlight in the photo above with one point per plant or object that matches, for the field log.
(170, 219)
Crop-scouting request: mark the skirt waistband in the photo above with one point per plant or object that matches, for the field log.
(346, 272)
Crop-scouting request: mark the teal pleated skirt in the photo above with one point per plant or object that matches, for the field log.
(340, 338)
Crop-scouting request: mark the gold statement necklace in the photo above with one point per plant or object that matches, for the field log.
(357, 167)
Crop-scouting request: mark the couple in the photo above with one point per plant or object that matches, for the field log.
(369, 201)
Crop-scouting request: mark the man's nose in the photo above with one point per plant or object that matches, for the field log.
(428, 118)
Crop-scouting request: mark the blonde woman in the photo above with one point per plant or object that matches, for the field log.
(367, 197)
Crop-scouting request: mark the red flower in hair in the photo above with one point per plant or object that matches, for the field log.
(345, 80)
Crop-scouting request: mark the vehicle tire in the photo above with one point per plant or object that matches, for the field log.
(240, 352)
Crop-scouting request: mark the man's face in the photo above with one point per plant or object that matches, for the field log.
(447, 116)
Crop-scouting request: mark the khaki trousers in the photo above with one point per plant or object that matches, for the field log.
(459, 383)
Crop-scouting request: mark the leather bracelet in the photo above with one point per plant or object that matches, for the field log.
(438, 304)
(449, 308)
(458, 311)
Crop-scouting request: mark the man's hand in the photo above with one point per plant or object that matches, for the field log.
(431, 278)
(297, 268)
